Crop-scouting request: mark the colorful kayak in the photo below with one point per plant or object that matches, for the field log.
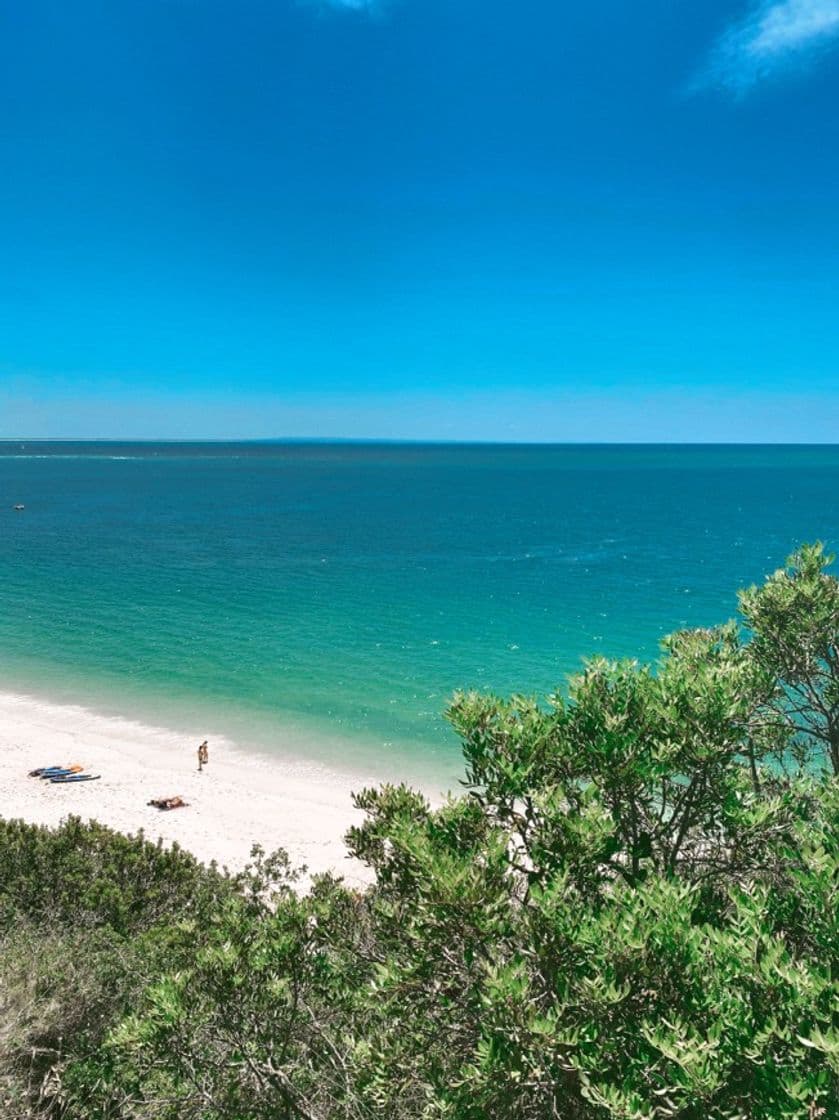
(58, 771)
(44, 770)
(60, 779)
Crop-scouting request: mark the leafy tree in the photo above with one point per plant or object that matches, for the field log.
(249, 1025)
(794, 623)
(642, 1000)
(636, 771)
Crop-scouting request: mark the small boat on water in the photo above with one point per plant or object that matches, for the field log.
(19, 506)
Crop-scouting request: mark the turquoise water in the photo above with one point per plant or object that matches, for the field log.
(333, 595)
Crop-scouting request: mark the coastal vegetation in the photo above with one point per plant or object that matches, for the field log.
(631, 912)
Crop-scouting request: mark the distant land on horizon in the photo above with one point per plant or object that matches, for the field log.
(362, 441)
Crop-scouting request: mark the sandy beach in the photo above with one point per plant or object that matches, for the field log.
(237, 800)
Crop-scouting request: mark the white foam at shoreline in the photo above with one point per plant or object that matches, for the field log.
(238, 800)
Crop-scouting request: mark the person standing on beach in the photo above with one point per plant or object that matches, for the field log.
(203, 755)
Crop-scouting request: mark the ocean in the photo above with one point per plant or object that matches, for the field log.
(327, 598)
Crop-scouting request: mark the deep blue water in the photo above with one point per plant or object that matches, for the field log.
(334, 595)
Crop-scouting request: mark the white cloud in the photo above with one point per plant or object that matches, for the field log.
(775, 35)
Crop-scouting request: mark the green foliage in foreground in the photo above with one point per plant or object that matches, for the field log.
(632, 913)
(87, 918)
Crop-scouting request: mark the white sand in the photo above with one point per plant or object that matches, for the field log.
(239, 798)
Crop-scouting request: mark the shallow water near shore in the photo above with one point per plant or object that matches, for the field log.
(325, 599)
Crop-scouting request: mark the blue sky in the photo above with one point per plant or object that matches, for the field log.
(420, 219)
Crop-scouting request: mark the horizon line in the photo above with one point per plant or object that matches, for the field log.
(397, 441)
